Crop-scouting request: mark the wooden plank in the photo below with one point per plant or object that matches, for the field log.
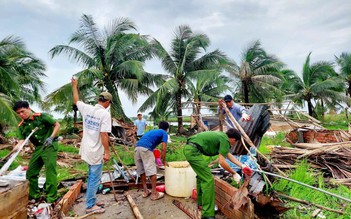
(69, 198)
(16, 196)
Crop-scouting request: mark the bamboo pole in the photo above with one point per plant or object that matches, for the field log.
(309, 203)
(133, 206)
(246, 138)
(120, 160)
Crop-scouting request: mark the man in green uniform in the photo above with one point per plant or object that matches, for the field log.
(211, 144)
(45, 152)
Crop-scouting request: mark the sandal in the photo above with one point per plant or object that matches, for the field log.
(100, 204)
(95, 209)
(159, 196)
(147, 195)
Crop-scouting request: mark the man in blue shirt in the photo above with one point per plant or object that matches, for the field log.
(140, 124)
(145, 160)
(238, 111)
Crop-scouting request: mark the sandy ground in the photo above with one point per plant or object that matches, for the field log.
(160, 209)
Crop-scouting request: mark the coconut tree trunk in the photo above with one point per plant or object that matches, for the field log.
(310, 107)
(179, 112)
(116, 106)
(246, 92)
(349, 88)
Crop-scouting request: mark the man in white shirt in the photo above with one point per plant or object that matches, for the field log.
(140, 124)
(94, 148)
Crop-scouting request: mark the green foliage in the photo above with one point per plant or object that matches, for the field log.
(175, 149)
(79, 169)
(68, 148)
(304, 174)
(11, 134)
(278, 139)
(15, 163)
(336, 122)
(125, 153)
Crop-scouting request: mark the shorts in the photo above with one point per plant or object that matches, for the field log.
(145, 161)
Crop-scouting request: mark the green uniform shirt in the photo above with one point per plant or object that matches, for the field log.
(45, 124)
(212, 143)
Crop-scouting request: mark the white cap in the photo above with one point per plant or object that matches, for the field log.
(139, 113)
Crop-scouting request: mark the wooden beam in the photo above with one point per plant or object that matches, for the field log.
(69, 198)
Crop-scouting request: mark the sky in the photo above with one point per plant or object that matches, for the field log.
(288, 29)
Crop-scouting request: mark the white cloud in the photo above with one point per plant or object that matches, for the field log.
(287, 29)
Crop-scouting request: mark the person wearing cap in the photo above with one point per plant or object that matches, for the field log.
(94, 148)
(145, 160)
(140, 125)
(211, 143)
(45, 153)
(238, 111)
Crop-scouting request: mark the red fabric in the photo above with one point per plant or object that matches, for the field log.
(160, 188)
(157, 153)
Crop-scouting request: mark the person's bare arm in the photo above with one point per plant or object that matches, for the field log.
(234, 160)
(56, 129)
(105, 143)
(226, 166)
(74, 83)
(163, 153)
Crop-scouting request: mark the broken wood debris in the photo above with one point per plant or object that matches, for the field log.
(191, 212)
(334, 159)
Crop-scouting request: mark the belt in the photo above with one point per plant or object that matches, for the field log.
(196, 146)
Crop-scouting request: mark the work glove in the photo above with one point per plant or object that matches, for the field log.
(245, 117)
(237, 178)
(246, 170)
(49, 141)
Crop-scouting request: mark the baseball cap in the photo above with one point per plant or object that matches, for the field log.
(139, 113)
(106, 95)
(227, 98)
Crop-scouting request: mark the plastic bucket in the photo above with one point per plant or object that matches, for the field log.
(180, 179)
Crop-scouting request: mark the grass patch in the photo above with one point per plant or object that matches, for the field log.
(335, 122)
(18, 160)
(304, 174)
(68, 148)
(79, 169)
(268, 141)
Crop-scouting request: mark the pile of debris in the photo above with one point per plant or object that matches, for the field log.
(334, 159)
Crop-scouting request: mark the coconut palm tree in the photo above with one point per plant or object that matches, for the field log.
(206, 88)
(319, 82)
(344, 62)
(258, 73)
(112, 60)
(21, 76)
(185, 57)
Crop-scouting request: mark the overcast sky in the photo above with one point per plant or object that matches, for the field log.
(287, 29)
